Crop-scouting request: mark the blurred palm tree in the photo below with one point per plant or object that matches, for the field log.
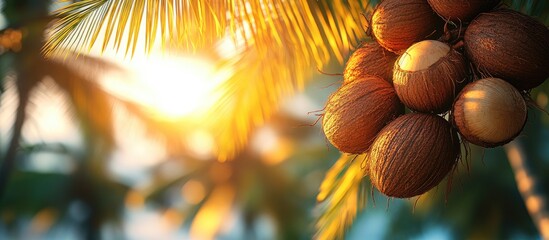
(28, 193)
(278, 43)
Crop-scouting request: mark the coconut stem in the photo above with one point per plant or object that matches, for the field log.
(459, 44)
(528, 186)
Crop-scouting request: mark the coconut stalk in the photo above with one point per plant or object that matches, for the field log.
(528, 186)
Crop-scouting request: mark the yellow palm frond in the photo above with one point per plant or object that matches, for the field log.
(283, 44)
(201, 23)
(343, 193)
(122, 24)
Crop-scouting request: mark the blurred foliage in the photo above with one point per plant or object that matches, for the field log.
(281, 191)
(30, 194)
(536, 8)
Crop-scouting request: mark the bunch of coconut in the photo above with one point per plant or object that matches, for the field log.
(439, 73)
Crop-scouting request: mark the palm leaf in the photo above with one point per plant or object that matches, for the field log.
(90, 102)
(282, 42)
(343, 194)
(200, 24)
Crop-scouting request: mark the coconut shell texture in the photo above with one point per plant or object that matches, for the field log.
(434, 86)
(461, 10)
(358, 111)
(370, 59)
(397, 24)
(509, 45)
(412, 154)
(490, 112)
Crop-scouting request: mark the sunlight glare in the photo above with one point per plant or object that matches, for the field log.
(177, 87)
(272, 148)
(201, 143)
(266, 140)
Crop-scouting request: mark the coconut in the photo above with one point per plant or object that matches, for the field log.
(511, 46)
(461, 10)
(358, 111)
(429, 75)
(412, 154)
(489, 112)
(370, 59)
(397, 24)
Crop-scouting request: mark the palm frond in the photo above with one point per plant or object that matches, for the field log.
(343, 194)
(123, 23)
(199, 24)
(283, 43)
(91, 103)
(297, 36)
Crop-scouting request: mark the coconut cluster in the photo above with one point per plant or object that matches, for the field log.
(463, 81)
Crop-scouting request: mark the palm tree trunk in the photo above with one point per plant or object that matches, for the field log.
(8, 162)
(528, 186)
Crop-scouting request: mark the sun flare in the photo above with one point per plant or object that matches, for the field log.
(176, 87)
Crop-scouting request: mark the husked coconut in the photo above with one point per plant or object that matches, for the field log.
(429, 75)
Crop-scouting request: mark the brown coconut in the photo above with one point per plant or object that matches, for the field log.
(370, 59)
(461, 10)
(429, 75)
(490, 112)
(509, 45)
(397, 24)
(412, 154)
(358, 111)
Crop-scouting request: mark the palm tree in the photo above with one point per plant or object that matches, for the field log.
(28, 193)
(280, 42)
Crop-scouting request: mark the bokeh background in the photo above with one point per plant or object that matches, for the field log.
(111, 147)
